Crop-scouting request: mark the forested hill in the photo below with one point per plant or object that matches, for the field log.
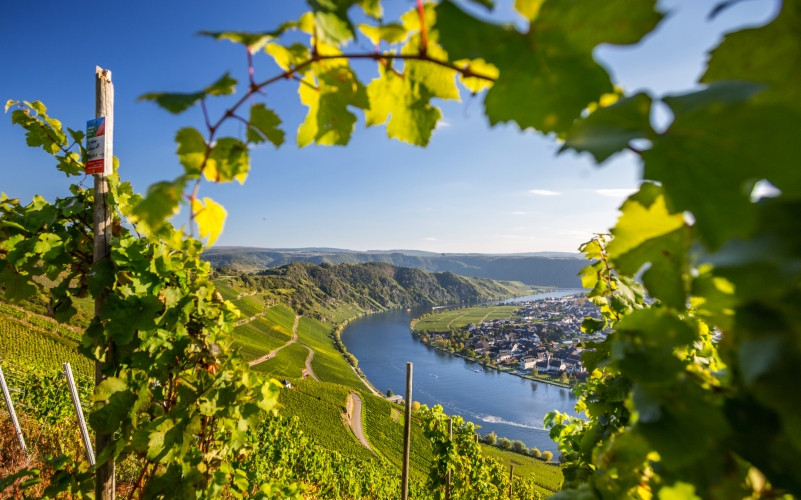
(321, 290)
(549, 269)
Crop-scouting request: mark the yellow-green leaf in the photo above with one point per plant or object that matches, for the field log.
(210, 217)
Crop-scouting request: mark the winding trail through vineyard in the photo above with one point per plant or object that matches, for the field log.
(309, 371)
(356, 421)
(271, 354)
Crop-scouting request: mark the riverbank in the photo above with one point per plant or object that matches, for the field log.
(478, 361)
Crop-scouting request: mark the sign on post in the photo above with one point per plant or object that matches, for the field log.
(96, 147)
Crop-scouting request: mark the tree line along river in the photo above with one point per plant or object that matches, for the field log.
(508, 405)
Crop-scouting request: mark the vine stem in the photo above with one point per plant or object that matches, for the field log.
(423, 35)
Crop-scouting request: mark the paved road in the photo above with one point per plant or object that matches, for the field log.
(356, 421)
(271, 354)
(308, 371)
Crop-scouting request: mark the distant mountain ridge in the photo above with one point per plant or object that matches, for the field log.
(557, 269)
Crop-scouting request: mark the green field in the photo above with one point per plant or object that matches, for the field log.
(328, 363)
(454, 319)
(549, 477)
(319, 407)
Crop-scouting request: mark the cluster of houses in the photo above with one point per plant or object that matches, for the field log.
(542, 336)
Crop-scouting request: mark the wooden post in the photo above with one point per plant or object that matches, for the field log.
(12, 413)
(76, 402)
(407, 435)
(448, 477)
(105, 484)
(511, 480)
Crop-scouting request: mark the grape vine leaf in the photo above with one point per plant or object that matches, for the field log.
(329, 122)
(210, 217)
(228, 161)
(390, 33)
(718, 145)
(191, 150)
(548, 75)
(288, 58)
(333, 26)
(760, 55)
(411, 116)
(253, 41)
(160, 202)
(610, 129)
(263, 125)
(176, 102)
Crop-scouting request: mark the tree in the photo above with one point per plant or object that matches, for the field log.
(390, 393)
(535, 452)
(491, 438)
(519, 447)
(547, 455)
(563, 378)
(415, 406)
(504, 444)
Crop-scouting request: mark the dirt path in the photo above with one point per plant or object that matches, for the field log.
(308, 371)
(271, 354)
(356, 421)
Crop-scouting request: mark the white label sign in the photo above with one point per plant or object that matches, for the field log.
(96, 146)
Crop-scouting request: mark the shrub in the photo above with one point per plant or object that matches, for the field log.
(504, 444)
(535, 452)
(415, 406)
(390, 393)
(547, 455)
(519, 446)
(491, 439)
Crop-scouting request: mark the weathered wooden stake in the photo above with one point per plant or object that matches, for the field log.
(76, 402)
(448, 477)
(511, 480)
(12, 413)
(407, 435)
(105, 484)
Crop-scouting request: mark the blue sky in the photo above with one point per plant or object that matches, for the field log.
(474, 189)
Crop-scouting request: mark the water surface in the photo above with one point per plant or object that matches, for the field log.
(506, 404)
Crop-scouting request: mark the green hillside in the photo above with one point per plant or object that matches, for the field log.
(334, 293)
(454, 319)
(554, 269)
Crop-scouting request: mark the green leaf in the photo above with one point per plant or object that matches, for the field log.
(102, 276)
(179, 102)
(10, 103)
(610, 129)
(228, 160)
(174, 102)
(548, 75)
(390, 33)
(679, 491)
(411, 117)
(123, 316)
(191, 150)
(329, 122)
(288, 58)
(18, 285)
(253, 41)
(224, 86)
(210, 217)
(264, 126)
(761, 55)
(718, 145)
(161, 202)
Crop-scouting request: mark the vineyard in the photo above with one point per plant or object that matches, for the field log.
(261, 335)
(328, 363)
(288, 363)
(548, 476)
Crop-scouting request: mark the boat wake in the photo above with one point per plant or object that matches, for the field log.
(498, 420)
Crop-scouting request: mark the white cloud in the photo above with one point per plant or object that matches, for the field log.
(544, 192)
(443, 124)
(429, 239)
(616, 193)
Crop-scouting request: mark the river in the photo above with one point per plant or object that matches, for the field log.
(508, 405)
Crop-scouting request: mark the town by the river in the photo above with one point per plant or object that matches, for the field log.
(510, 406)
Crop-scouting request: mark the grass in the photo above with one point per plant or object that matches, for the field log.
(319, 407)
(384, 431)
(328, 363)
(549, 477)
(288, 363)
(455, 319)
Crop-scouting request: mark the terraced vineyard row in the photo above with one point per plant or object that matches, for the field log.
(328, 363)
(288, 363)
(548, 476)
(319, 407)
(23, 346)
(383, 425)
